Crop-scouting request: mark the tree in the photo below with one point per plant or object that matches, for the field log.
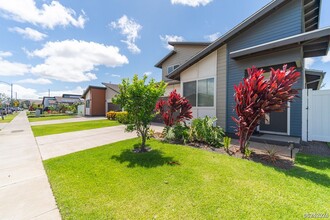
(256, 96)
(3, 99)
(175, 109)
(139, 98)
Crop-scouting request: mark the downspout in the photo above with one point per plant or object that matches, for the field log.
(307, 109)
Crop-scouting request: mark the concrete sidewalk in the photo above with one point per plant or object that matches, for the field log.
(3, 125)
(61, 144)
(60, 121)
(25, 192)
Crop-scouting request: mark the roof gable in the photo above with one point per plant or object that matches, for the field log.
(272, 7)
(92, 87)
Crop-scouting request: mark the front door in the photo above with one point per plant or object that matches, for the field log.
(275, 122)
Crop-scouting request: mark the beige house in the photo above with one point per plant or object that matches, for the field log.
(202, 76)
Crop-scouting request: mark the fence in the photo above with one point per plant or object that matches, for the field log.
(316, 115)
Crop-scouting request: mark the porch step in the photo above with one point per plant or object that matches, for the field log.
(276, 139)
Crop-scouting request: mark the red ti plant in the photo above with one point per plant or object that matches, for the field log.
(175, 109)
(256, 96)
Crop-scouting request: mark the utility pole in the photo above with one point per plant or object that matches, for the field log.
(11, 95)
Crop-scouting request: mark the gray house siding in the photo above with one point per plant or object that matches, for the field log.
(296, 109)
(285, 22)
(221, 89)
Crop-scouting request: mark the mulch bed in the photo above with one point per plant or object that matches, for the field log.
(256, 156)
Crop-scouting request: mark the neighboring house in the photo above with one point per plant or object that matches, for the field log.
(282, 32)
(55, 101)
(111, 91)
(94, 101)
(98, 100)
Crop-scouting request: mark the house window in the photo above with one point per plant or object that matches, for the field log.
(200, 93)
(172, 68)
(189, 91)
(206, 92)
(88, 103)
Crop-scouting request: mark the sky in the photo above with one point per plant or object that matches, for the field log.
(64, 46)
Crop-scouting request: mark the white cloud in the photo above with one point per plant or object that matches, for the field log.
(77, 91)
(115, 75)
(28, 93)
(129, 28)
(40, 81)
(74, 61)
(48, 16)
(309, 62)
(148, 73)
(5, 54)
(212, 37)
(22, 92)
(326, 59)
(192, 3)
(29, 33)
(8, 68)
(170, 38)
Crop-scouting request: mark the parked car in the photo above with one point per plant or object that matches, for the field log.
(3, 111)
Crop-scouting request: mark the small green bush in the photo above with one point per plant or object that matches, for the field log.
(111, 115)
(203, 130)
(247, 153)
(122, 117)
(226, 143)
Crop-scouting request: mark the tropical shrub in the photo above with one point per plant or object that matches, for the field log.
(122, 117)
(178, 133)
(256, 96)
(175, 110)
(139, 97)
(111, 115)
(203, 130)
(271, 155)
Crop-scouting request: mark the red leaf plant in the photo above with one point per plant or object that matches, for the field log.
(256, 96)
(175, 109)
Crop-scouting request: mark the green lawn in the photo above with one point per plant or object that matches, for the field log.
(52, 117)
(8, 118)
(111, 182)
(42, 130)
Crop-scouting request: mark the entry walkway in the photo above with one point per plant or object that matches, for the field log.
(25, 192)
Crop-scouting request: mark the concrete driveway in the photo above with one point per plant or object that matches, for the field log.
(60, 121)
(61, 144)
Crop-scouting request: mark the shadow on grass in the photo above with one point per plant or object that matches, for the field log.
(301, 173)
(317, 162)
(320, 163)
(153, 158)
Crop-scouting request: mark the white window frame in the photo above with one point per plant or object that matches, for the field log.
(214, 92)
